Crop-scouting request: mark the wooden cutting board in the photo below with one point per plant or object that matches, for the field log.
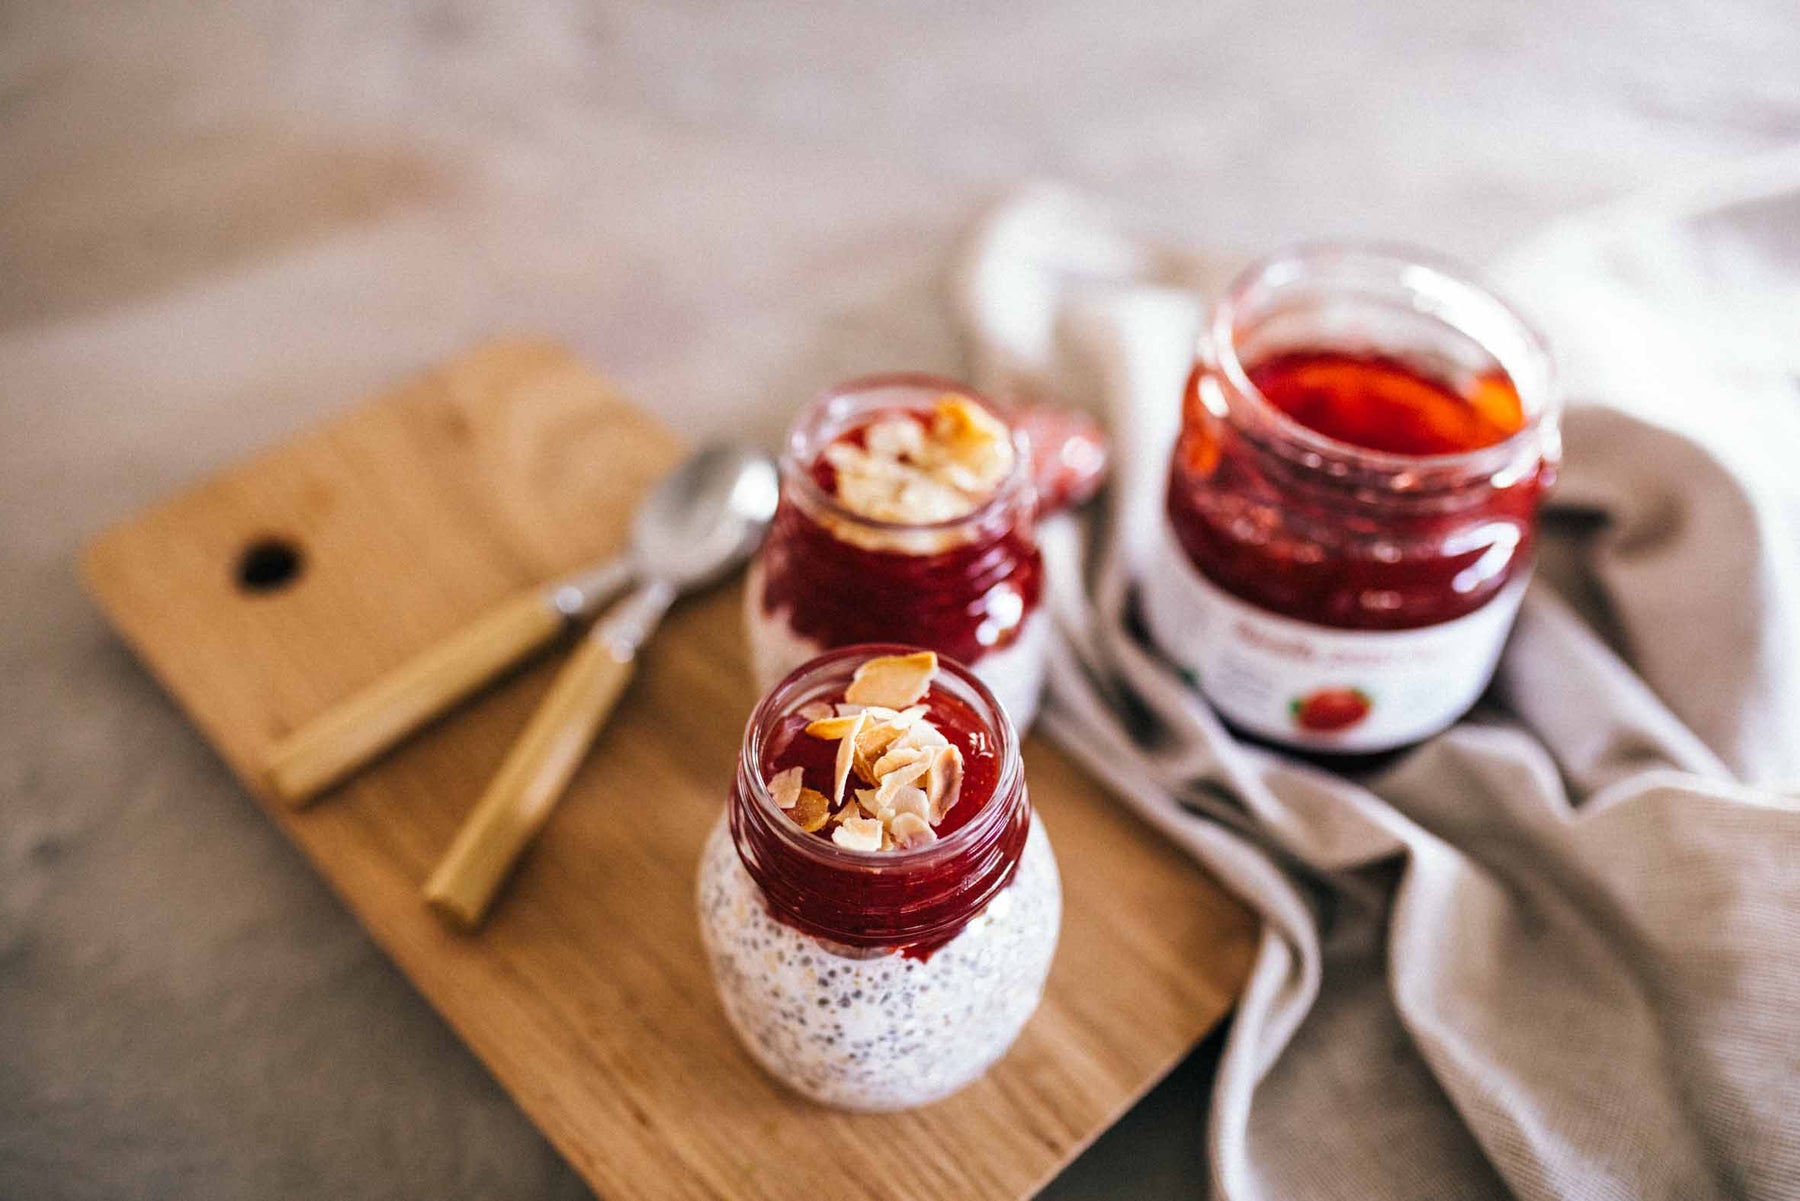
(285, 583)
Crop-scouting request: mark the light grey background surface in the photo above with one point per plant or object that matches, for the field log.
(220, 221)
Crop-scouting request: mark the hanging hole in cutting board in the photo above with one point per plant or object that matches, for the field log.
(269, 565)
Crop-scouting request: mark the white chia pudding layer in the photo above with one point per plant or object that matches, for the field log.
(1014, 675)
(886, 1032)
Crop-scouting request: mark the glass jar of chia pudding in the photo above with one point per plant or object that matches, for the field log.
(907, 515)
(878, 904)
(1352, 503)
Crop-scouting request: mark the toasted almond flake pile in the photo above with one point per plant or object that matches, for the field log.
(909, 775)
(917, 473)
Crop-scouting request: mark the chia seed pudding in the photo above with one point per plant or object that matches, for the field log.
(878, 904)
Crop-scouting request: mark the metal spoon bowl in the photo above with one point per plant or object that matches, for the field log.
(705, 517)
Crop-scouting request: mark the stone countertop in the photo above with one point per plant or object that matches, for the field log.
(221, 221)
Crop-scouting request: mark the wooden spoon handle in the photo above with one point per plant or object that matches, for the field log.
(520, 798)
(353, 732)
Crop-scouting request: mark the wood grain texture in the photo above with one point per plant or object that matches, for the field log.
(334, 744)
(587, 994)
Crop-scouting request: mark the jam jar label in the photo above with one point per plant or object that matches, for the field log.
(1311, 686)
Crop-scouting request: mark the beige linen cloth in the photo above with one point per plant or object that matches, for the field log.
(1555, 952)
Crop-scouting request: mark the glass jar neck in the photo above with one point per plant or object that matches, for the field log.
(919, 898)
(1398, 305)
(851, 404)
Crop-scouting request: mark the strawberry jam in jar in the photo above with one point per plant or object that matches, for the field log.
(878, 904)
(1352, 505)
(907, 515)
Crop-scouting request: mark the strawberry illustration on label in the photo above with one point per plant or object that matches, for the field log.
(1330, 709)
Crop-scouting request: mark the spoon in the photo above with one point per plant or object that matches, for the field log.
(697, 525)
(362, 727)
(355, 731)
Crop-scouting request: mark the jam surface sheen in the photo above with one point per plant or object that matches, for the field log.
(1303, 549)
(964, 601)
(1381, 403)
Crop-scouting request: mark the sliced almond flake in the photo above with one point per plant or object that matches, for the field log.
(896, 438)
(920, 736)
(879, 497)
(858, 834)
(784, 787)
(846, 755)
(978, 444)
(918, 501)
(957, 420)
(943, 782)
(909, 830)
(833, 728)
(927, 499)
(815, 710)
(967, 480)
(870, 464)
(988, 462)
(882, 728)
(875, 478)
(908, 800)
(893, 681)
(907, 717)
(901, 777)
(861, 482)
(869, 802)
(986, 454)
(897, 758)
(811, 811)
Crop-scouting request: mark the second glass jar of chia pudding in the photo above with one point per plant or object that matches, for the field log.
(907, 515)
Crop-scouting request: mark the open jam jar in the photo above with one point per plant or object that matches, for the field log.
(1353, 499)
(890, 972)
(953, 567)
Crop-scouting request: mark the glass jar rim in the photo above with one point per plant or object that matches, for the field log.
(1427, 277)
(787, 696)
(796, 467)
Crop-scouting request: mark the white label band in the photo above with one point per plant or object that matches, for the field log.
(1313, 686)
